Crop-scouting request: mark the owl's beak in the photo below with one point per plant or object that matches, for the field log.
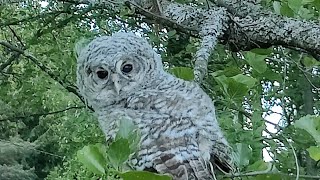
(116, 82)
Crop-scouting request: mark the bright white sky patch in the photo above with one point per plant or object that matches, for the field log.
(273, 118)
(43, 4)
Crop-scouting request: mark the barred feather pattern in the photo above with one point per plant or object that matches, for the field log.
(176, 118)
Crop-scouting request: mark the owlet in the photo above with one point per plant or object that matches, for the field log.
(121, 76)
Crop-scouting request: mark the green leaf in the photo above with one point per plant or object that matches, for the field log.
(295, 4)
(307, 2)
(256, 61)
(259, 166)
(134, 141)
(277, 7)
(309, 62)
(305, 13)
(228, 71)
(316, 3)
(172, 33)
(262, 51)
(126, 127)
(269, 75)
(311, 124)
(269, 176)
(236, 90)
(232, 88)
(127, 130)
(143, 175)
(314, 152)
(118, 152)
(247, 80)
(182, 72)
(286, 10)
(93, 158)
(223, 81)
(242, 154)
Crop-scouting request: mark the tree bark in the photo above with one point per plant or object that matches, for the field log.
(243, 24)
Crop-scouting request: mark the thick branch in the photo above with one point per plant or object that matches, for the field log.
(269, 30)
(256, 27)
(240, 8)
(252, 26)
(210, 24)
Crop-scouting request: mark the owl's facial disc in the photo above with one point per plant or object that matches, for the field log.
(112, 67)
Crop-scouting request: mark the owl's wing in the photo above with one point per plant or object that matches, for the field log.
(171, 146)
(191, 169)
(194, 168)
(222, 158)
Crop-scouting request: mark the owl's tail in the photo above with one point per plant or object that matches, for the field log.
(222, 158)
(194, 169)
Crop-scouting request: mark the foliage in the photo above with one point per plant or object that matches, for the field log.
(47, 132)
(14, 159)
(112, 160)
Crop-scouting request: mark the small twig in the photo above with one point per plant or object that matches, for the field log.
(296, 159)
(306, 76)
(248, 115)
(163, 20)
(17, 37)
(68, 86)
(14, 56)
(29, 19)
(43, 114)
(270, 173)
(314, 55)
(35, 149)
(274, 124)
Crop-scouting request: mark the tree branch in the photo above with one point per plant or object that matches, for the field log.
(210, 24)
(251, 26)
(254, 27)
(42, 114)
(270, 173)
(14, 57)
(30, 146)
(276, 30)
(31, 18)
(162, 20)
(67, 85)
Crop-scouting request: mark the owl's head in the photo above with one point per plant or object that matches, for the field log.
(112, 67)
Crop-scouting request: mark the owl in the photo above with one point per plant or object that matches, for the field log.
(122, 76)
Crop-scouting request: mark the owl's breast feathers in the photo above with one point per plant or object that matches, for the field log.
(180, 133)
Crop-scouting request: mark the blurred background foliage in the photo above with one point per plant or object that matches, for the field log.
(267, 100)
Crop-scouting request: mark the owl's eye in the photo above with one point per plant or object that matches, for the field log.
(126, 68)
(102, 74)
